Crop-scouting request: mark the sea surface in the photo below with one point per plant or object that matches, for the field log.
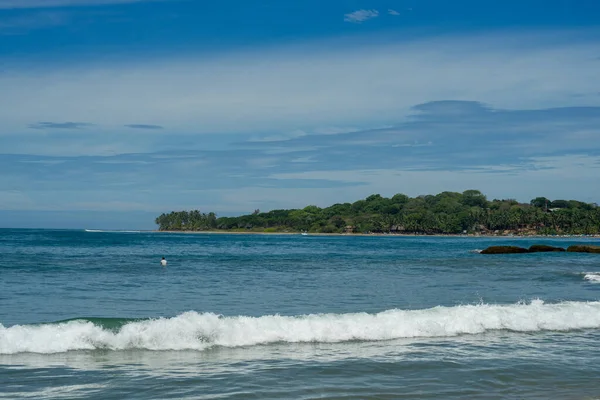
(94, 315)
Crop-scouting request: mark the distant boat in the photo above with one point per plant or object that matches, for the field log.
(304, 234)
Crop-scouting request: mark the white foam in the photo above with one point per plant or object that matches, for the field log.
(194, 331)
(56, 392)
(592, 276)
(475, 251)
(103, 231)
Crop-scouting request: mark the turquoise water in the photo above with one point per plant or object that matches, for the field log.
(93, 315)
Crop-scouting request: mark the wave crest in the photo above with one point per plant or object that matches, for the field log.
(199, 331)
(592, 276)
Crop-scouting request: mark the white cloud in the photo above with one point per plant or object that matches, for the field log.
(326, 130)
(298, 88)
(359, 16)
(279, 137)
(303, 160)
(393, 12)
(10, 4)
(334, 130)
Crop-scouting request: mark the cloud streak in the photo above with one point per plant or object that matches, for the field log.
(14, 4)
(60, 125)
(144, 126)
(302, 88)
(455, 135)
(359, 16)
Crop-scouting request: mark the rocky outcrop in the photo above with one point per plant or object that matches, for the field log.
(583, 248)
(542, 248)
(504, 250)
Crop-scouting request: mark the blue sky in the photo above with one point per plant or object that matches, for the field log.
(114, 111)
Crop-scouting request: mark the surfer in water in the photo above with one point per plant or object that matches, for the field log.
(163, 262)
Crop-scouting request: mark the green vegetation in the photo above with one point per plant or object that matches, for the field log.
(445, 213)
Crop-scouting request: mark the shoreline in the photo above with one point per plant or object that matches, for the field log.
(466, 235)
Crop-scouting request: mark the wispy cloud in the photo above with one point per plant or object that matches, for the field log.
(393, 12)
(144, 126)
(279, 137)
(464, 141)
(12, 4)
(59, 125)
(455, 135)
(35, 20)
(359, 16)
(334, 83)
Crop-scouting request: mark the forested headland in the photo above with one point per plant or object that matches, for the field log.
(469, 212)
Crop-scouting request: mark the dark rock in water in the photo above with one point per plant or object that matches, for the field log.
(583, 248)
(504, 250)
(542, 248)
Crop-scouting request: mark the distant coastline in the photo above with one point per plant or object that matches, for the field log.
(466, 235)
(469, 214)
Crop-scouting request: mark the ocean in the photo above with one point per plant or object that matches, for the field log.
(94, 315)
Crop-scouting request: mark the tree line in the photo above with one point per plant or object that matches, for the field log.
(444, 213)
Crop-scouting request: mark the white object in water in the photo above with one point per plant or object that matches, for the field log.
(163, 262)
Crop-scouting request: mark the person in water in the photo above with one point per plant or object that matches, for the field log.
(163, 262)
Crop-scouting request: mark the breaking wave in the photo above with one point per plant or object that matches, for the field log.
(200, 331)
(592, 276)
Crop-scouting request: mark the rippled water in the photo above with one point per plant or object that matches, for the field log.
(94, 315)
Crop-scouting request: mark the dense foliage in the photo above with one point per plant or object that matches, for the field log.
(445, 213)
